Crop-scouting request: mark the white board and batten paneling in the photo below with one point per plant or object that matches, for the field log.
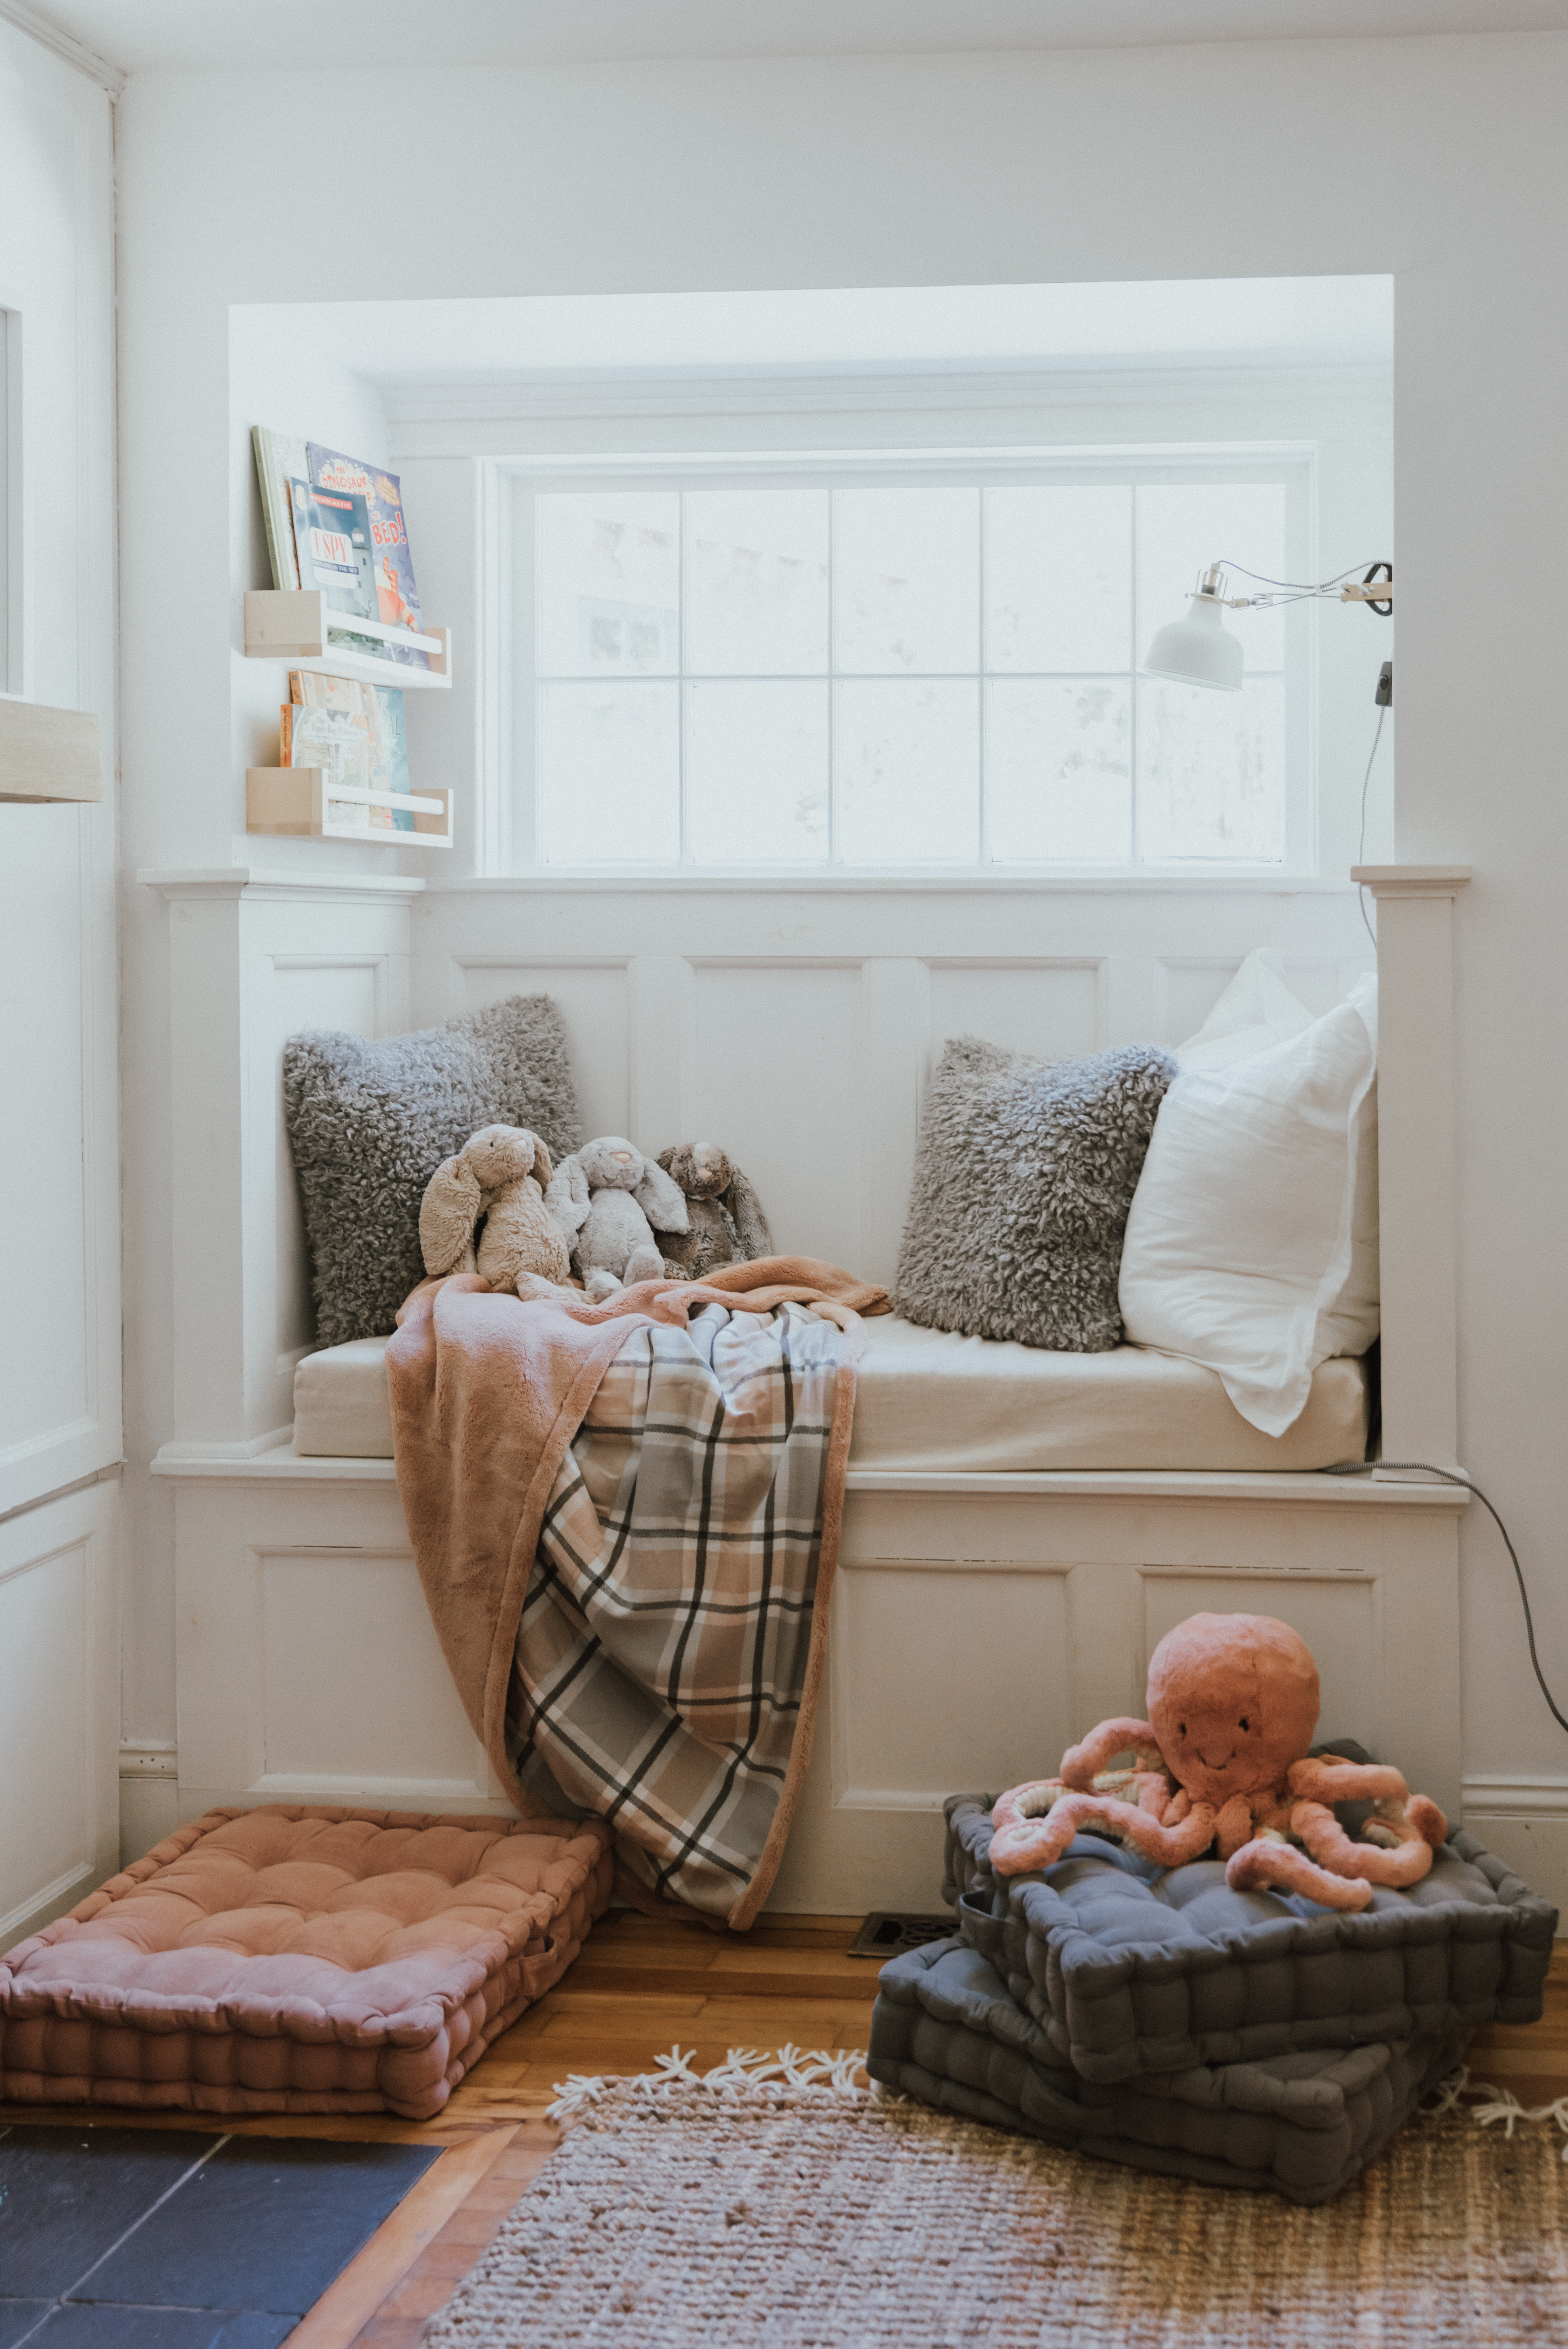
(798, 1026)
(60, 1439)
(979, 1623)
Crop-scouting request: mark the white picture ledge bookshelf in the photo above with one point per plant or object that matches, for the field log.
(298, 625)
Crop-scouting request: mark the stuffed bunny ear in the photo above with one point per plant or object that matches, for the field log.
(448, 1213)
(544, 1173)
(567, 1196)
(751, 1223)
(661, 1200)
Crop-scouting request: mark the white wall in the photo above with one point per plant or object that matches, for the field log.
(59, 1167)
(1441, 161)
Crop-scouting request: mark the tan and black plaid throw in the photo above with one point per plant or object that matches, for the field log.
(661, 1651)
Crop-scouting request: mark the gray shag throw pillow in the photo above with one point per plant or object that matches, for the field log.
(1021, 1182)
(368, 1124)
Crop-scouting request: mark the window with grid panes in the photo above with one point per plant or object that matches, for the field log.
(778, 673)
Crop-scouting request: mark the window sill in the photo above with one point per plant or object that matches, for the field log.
(1260, 881)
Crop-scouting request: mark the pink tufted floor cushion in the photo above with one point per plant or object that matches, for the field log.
(289, 1960)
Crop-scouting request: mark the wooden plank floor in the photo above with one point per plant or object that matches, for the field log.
(640, 1986)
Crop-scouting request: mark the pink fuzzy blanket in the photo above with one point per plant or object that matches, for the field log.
(487, 1393)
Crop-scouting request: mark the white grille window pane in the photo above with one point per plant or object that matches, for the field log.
(1058, 781)
(906, 773)
(1182, 528)
(608, 580)
(756, 773)
(1211, 771)
(906, 580)
(609, 774)
(1058, 578)
(756, 583)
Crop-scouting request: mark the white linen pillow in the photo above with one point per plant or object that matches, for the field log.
(1252, 1244)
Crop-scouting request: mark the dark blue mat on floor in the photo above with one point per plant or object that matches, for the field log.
(148, 2239)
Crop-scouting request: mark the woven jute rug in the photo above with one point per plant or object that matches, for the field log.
(794, 2212)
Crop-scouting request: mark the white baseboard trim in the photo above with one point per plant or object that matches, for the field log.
(1525, 1822)
(41, 1908)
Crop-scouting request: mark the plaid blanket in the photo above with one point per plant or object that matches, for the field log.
(661, 1660)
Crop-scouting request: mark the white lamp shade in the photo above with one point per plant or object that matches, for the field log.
(1198, 650)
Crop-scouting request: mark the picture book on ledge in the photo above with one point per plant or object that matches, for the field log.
(357, 734)
(335, 523)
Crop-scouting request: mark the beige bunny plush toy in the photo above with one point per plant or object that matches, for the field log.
(498, 1174)
(611, 1200)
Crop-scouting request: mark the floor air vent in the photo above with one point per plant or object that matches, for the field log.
(885, 1934)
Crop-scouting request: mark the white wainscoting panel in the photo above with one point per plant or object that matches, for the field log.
(594, 998)
(798, 1024)
(354, 1685)
(777, 1075)
(941, 1672)
(308, 1667)
(59, 1748)
(1056, 1009)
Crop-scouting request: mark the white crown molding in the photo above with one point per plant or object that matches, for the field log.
(50, 36)
(540, 398)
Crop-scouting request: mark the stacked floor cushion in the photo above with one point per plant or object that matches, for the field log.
(1131, 1968)
(1154, 2016)
(945, 2029)
(286, 1960)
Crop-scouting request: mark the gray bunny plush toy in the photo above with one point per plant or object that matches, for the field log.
(727, 1222)
(609, 1200)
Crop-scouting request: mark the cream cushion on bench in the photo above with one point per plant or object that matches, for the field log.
(928, 1398)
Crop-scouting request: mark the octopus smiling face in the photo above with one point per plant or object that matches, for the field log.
(1232, 1701)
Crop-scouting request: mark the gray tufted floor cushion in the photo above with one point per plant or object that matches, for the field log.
(1129, 1969)
(945, 2030)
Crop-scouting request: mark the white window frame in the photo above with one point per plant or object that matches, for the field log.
(510, 615)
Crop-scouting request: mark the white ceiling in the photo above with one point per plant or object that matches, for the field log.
(1229, 321)
(143, 35)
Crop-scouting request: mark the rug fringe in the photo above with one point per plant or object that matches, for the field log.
(743, 2067)
(1486, 2104)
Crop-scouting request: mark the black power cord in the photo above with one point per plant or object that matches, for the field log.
(1365, 1467)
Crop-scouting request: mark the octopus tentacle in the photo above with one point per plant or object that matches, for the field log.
(1081, 1765)
(1235, 1826)
(1269, 1864)
(1023, 1843)
(1324, 1778)
(1407, 1863)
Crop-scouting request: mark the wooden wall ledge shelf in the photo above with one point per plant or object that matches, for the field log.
(297, 625)
(296, 803)
(48, 756)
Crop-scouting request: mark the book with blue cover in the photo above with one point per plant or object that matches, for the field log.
(397, 597)
(331, 535)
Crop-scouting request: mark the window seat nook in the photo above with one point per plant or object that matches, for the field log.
(930, 1400)
(1020, 1526)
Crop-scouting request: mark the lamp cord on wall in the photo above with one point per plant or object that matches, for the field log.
(1361, 858)
(1365, 1467)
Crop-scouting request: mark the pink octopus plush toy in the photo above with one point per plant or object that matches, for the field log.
(1222, 1759)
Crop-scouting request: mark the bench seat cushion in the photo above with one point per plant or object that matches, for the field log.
(303, 1961)
(945, 2030)
(931, 1400)
(1129, 1968)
